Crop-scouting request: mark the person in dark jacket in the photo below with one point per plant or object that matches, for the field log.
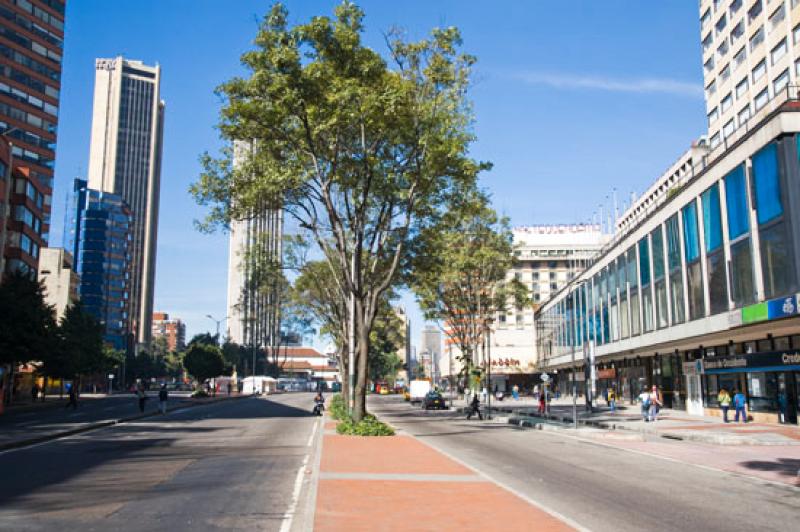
(163, 395)
(475, 407)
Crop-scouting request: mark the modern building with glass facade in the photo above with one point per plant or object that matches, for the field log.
(31, 48)
(701, 292)
(125, 159)
(101, 243)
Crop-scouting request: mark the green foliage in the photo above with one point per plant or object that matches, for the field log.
(338, 407)
(386, 338)
(27, 324)
(359, 152)
(368, 426)
(460, 267)
(205, 339)
(203, 361)
(144, 366)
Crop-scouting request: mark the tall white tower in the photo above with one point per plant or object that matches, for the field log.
(253, 310)
(125, 159)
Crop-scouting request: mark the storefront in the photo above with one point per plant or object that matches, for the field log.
(770, 380)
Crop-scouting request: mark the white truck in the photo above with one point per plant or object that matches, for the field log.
(418, 389)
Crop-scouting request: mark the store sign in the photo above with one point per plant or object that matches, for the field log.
(771, 310)
(776, 360)
(609, 373)
(693, 368)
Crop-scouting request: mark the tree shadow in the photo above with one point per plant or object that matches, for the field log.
(788, 467)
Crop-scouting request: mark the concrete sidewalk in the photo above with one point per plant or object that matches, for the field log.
(400, 483)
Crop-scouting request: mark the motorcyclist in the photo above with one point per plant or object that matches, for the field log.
(319, 403)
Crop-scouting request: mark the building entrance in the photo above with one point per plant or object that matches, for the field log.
(789, 396)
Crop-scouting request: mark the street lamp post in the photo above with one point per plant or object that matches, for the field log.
(488, 324)
(218, 322)
(6, 198)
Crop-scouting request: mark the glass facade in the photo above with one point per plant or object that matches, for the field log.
(743, 255)
(101, 244)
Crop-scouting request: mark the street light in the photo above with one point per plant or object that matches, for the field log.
(488, 324)
(218, 322)
(6, 197)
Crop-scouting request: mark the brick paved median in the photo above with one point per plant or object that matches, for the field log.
(399, 483)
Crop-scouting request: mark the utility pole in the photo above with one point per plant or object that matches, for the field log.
(351, 339)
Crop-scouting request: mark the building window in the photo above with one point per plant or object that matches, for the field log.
(777, 16)
(715, 258)
(553, 287)
(725, 73)
(633, 280)
(726, 103)
(740, 56)
(711, 89)
(776, 261)
(535, 276)
(741, 88)
(721, 23)
(728, 128)
(712, 116)
(714, 142)
(780, 82)
(754, 11)
(737, 32)
(659, 277)
(722, 49)
(757, 39)
(675, 269)
(797, 68)
(709, 65)
(796, 34)
(778, 52)
(759, 70)
(736, 5)
(761, 99)
(705, 18)
(691, 242)
(644, 278)
(707, 41)
(622, 282)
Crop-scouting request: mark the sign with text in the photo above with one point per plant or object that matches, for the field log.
(775, 361)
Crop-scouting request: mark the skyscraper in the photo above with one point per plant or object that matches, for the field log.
(100, 238)
(252, 313)
(31, 45)
(125, 159)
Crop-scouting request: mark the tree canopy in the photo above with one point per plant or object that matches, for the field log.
(203, 361)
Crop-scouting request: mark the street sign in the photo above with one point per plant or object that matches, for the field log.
(545, 377)
(110, 375)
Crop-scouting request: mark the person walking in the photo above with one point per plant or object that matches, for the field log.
(612, 400)
(163, 395)
(141, 396)
(515, 392)
(229, 387)
(542, 401)
(644, 401)
(740, 404)
(73, 397)
(724, 399)
(34, 392)
(655, 403)
(475, 407)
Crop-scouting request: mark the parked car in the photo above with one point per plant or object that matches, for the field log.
(434, 400)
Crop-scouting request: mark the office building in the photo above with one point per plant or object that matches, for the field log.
(60, 281)
(101, 239)
(31, 47)
(431, 351)
(174, 330)
(751, 53)
(255, 242)
(125, 160)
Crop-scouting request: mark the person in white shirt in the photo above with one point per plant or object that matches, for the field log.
(644, 401)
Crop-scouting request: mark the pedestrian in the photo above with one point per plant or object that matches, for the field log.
(34, 392)
(475, 407)
(229, 387)
(655, 403)
(163, 395)
(644, 401)
(724, 399)
(740, 404)
(612, 400)
(515, 392)
(73, 397)
(542, 402)
(141, 396)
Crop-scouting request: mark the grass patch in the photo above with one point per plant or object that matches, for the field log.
(369, 426)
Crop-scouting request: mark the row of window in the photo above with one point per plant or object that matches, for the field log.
(25, 243)
(26, 216)
(29, 118)
(30, 44)
(23, 186)
(681, 270)
(777, 16)
(31, 26)
(24, 97)
(29, 81)
(43, 15)
(24, 60)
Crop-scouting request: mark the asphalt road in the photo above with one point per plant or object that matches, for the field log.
(599, 487)
(230, 465)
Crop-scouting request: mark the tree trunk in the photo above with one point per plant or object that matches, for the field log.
(343, 376)
(362, 345)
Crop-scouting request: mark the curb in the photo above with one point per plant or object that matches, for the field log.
(102, 424)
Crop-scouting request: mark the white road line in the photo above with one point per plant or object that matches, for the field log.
(288, 518)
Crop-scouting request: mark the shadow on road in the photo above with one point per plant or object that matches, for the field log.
(784, 466)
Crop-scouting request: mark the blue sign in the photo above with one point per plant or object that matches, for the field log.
(780, 308)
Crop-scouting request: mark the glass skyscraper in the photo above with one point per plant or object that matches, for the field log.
(101, 242)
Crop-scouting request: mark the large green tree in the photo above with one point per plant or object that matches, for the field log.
(204, 361)
(356, 149)
(460, 275)
(27, 324)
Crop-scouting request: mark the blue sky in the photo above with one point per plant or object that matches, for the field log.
(572, 99)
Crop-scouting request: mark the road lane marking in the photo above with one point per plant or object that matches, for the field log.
(288, 518)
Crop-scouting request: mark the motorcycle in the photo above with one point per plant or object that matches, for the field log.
(319, 406)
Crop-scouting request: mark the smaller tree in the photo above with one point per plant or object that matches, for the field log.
(203, 361)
